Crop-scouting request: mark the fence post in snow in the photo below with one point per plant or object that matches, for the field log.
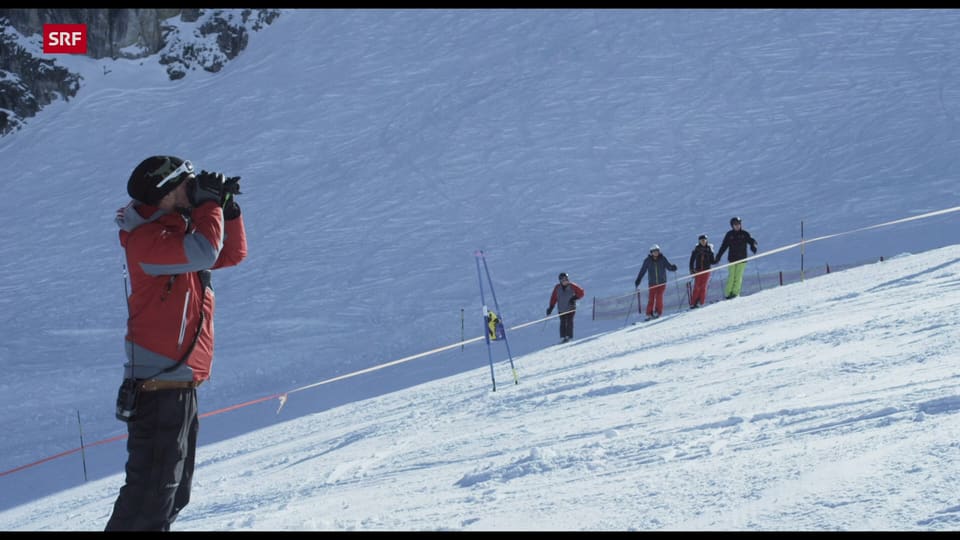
(83, 453)
(801, 250)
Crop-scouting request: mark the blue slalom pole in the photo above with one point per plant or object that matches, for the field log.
(486, 334)
(500, 314)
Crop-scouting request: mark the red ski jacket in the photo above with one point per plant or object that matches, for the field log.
(565, 297)
(168, 256)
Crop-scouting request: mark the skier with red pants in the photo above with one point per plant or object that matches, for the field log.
(655, 266)
(700, 261)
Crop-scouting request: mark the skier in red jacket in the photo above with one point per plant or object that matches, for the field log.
(565, 294)
(177, 228)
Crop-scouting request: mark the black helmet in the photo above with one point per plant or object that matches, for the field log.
(735, 219)
(702, 237)
(156, 176)
(562, 276)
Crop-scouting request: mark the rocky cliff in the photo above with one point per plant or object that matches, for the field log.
(183, 39)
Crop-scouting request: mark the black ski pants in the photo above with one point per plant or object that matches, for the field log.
(161, 448)
(566, 324)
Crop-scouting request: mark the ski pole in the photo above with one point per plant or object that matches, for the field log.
(636, 294)
(679, 295)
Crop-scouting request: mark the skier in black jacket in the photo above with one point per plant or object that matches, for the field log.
(700, 261)
(737, 241)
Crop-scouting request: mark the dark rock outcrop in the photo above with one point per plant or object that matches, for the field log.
(29, 83)
(184, 39)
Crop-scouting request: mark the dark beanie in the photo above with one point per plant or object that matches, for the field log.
(142, 185)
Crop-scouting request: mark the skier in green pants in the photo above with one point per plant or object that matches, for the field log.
(736, 240)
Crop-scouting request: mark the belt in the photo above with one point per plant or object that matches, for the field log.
(150, 385)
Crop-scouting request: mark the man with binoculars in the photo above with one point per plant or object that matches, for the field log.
(178, 227)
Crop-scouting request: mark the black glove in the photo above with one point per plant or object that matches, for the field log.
(206, 186)
(549, 310)
(231, 210)
(753, 248)
(231, 187)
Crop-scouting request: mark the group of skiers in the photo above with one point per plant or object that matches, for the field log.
(566, 293)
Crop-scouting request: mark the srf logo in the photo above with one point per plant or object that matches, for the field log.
(64, 39)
